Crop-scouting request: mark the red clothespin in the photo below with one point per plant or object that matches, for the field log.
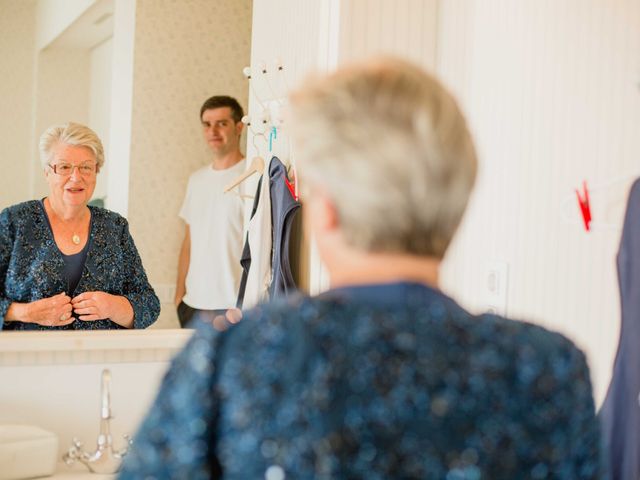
(583, 202)
(293, 186)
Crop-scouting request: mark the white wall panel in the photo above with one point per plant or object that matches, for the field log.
(304, 36)
(404, 27)
(550, 91)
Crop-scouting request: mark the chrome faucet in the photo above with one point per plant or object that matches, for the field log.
(105, 459)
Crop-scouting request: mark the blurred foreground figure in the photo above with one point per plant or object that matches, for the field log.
(383, 376)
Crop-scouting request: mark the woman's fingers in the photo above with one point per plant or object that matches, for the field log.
(66, 322)
(61, 299)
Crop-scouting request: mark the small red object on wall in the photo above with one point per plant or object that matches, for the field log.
(583, 202)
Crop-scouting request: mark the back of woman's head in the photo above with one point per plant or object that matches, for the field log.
(392, 150)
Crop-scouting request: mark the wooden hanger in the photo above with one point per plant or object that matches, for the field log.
(257, 166)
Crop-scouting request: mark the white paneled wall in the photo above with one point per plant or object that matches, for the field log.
(304, 37)
(402, 27)
(550, 90)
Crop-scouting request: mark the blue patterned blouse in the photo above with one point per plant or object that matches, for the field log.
(32, 266)
(372, 382)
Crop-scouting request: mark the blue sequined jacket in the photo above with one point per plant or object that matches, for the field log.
(32, 267)
(372, 382)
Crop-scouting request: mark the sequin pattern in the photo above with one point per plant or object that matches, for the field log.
(351, 386)
(32, 267)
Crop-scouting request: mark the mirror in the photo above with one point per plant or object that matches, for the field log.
(137, 74)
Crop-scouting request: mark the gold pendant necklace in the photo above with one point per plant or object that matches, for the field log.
(76, 239)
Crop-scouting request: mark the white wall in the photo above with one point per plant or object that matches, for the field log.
(55, 16)
(100, 103)
(403, 27)
(550, 90)
(121, 105)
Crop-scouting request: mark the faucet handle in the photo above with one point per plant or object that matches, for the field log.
(123, 451)
(74, 453)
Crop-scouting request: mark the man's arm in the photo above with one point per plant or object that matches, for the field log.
(183, 266)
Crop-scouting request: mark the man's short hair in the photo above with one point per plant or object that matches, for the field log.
(221, 101)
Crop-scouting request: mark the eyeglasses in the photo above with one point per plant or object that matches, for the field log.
(65, 169)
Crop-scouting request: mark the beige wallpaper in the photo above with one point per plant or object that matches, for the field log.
(184, 52)
(17, 40)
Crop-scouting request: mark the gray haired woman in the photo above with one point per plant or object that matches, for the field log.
(65, 265)
(383, 376)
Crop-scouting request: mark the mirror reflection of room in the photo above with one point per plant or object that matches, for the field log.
(138, 80)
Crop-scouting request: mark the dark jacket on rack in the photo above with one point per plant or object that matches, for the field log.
(283, 211)
(620, 413)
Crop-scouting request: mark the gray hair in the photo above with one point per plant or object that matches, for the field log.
(391, 148)
(70, 134)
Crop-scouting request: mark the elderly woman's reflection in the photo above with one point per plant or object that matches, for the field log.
(64, 264)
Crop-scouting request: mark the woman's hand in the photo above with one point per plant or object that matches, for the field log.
(91, 306)
(50, 312)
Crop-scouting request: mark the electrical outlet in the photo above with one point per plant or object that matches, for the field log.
(496, 288)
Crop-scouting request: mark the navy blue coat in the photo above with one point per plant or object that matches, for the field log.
(620, 413)
(32, 267)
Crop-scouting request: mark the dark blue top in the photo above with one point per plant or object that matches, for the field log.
(283, 211)
(620, 413)
(74, 263)
(32, 266)
(73, 266)
(375, 382)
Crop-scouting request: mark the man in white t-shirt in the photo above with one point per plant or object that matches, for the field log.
(209, 268)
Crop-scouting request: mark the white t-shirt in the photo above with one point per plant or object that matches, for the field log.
(260, 244)
(215, 221)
